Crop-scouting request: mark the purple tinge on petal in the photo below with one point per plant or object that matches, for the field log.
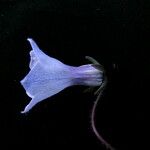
(87, 75)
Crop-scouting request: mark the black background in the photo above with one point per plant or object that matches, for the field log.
(114, 32)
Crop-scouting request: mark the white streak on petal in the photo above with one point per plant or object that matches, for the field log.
(33, 60)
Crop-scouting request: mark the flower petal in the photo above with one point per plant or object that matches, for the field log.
(47, 77)
(42, 58)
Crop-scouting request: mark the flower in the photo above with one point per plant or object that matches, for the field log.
(48, 76)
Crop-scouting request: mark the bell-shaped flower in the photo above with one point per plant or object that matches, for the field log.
(48, 76)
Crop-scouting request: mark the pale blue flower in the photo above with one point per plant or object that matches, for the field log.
(48, 76)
